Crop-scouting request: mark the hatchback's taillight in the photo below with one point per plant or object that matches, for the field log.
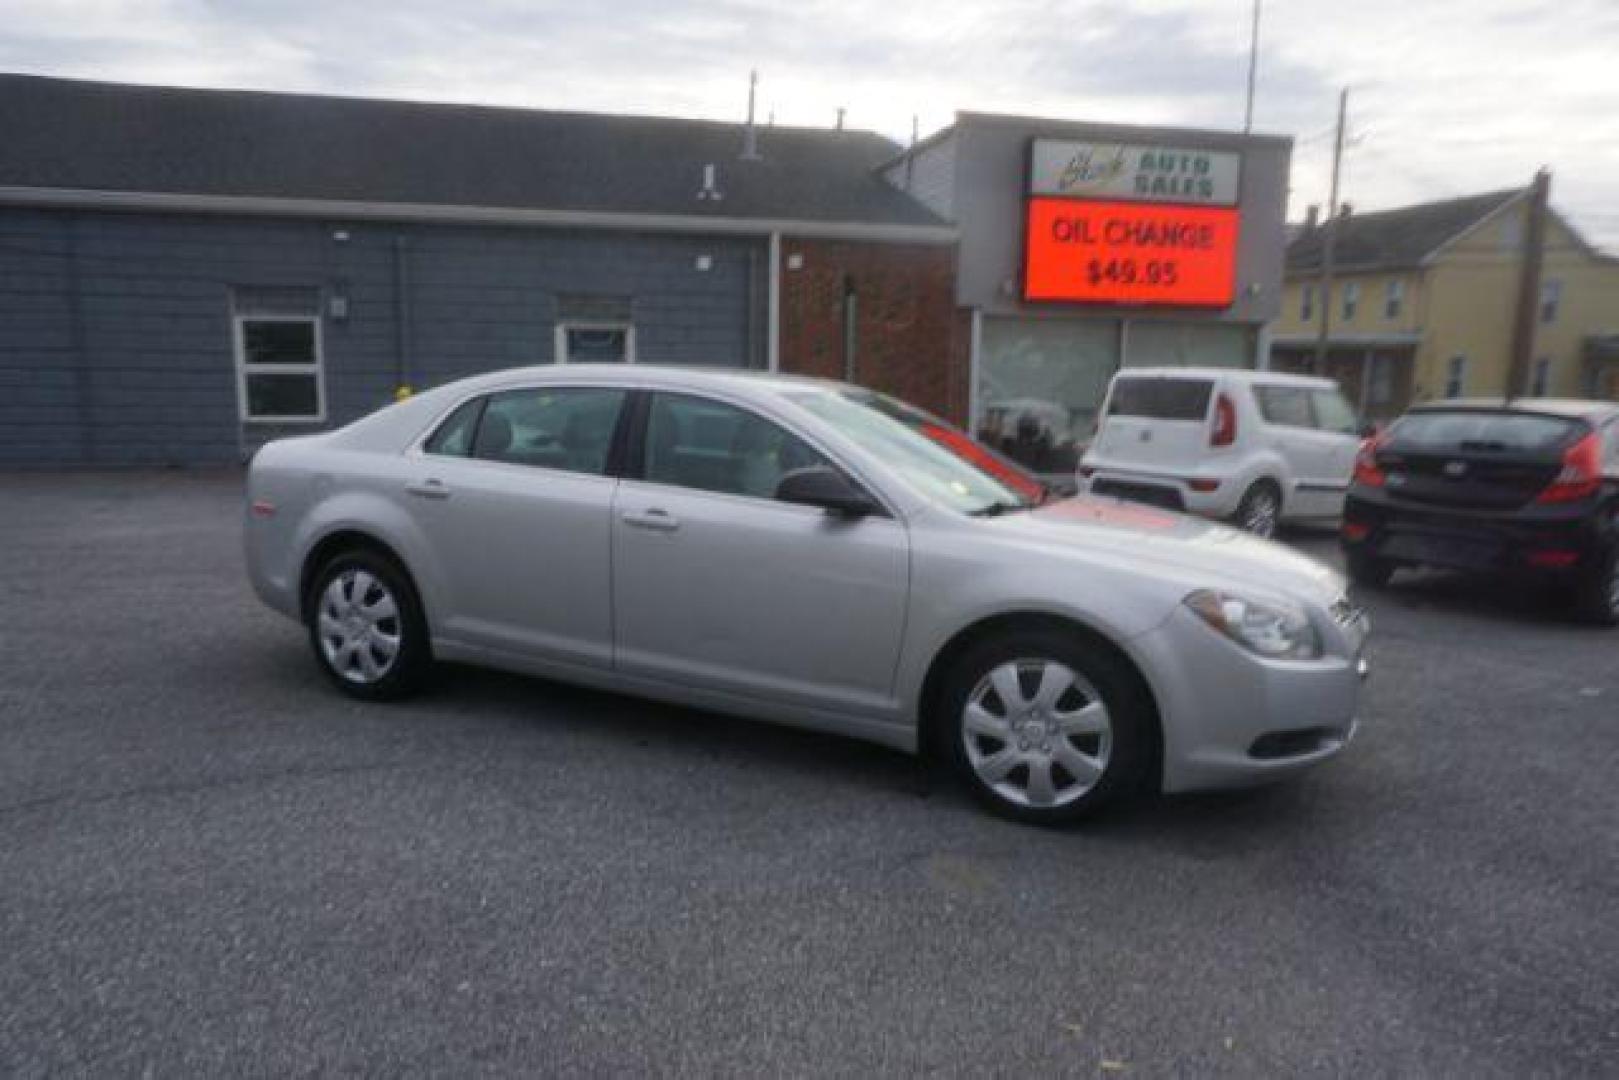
(1225, 422)
(1367, 472)
(1582, 473)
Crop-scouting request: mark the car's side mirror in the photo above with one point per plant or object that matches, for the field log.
(1366, 429)
(828, 489)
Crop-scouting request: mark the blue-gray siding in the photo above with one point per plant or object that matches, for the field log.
(115, 329)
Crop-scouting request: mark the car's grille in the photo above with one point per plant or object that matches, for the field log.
(1350, 615)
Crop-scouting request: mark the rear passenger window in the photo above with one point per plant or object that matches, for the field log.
(694, 442)
(1161, 399)
(569, 428)
(454, 437)
(1288, 406)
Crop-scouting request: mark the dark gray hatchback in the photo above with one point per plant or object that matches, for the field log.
(1528, 487)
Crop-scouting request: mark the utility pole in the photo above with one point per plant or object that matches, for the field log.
(1534, 255)
(1329, 242)
(1253, 70)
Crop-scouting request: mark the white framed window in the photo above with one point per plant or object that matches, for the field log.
(1540, 382)
(1351, 299)
(280, 378)
(1551, 298)
(595, 341)
(1307, 303)
(1394, 299)
(1456, 377)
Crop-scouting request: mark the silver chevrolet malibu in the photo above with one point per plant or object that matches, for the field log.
(808, 553)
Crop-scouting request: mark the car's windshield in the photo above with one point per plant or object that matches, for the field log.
(933, 456)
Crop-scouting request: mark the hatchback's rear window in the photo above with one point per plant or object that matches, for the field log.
(1478, 430)
(1161, 399)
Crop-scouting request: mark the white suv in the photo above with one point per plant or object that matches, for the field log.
(1253, 446)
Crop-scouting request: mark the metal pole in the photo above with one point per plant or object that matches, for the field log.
(1534, 254)
(1253, 70)
(1329, 242)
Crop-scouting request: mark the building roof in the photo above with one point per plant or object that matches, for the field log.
(70, 135)
(1395, 239)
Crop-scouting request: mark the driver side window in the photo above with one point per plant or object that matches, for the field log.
(709, 445)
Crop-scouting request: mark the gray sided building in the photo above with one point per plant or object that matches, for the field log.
(185, 274)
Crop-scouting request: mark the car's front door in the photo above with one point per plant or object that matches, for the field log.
(718, 586)
(514, 495)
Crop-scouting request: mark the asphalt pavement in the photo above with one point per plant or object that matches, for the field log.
(212, 863)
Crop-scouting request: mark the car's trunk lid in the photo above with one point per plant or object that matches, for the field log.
(1488, 459)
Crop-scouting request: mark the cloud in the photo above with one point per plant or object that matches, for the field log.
(1447, 96)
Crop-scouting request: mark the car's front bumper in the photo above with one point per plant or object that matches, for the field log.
(1232, 718)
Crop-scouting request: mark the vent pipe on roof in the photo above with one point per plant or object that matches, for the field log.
(710, 191)
(1312, 216)
(750, 136)
(840, 118)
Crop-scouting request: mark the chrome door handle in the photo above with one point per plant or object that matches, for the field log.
(429, 489)
(657, 520)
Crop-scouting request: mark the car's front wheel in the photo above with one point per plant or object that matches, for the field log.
(1047, 726)
(366, 627)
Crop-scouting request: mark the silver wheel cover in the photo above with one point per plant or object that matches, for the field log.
(1037, 733)
(359, 628)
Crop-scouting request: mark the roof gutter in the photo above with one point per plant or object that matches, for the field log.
(355, 210)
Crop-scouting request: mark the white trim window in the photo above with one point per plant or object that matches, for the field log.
(1456, 377)
(1551, 298)
(280, 377)
(1394, 299)
(1351, 297)
(1540, 383)
(595, 341)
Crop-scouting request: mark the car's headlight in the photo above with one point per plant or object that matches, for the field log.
(1276, 630)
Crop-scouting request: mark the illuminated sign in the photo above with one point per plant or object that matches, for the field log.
(1087, 251)
(1092, 170)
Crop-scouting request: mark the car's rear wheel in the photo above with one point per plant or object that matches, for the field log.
(1260, 511)
(366, 627)
(1046, 727)
(1367, 569)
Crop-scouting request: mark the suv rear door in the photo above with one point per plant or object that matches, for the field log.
(1155, 423)
(1313, 429)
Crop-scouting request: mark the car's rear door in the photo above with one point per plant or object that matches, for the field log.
(1155, 424)
(1316, 488)
(514, 495)
(718, 586)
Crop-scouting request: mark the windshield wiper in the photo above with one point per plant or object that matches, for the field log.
(999, 507)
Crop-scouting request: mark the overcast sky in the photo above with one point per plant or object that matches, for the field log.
(1447, 97)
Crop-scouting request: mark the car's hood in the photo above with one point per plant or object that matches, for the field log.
(1193, 549)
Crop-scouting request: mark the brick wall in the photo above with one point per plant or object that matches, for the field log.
(911, 341)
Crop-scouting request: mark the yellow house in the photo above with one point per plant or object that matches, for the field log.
(1423, 301)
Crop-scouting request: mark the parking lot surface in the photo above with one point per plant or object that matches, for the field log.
(210, 861)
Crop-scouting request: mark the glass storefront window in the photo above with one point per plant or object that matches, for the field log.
(1040, 385)
(1166, 344)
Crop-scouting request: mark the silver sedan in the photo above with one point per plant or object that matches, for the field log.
(807, 553)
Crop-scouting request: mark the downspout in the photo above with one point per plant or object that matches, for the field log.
(402, 319)
(773, 306)
(851, 313)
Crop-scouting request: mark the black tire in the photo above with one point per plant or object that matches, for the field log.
(412, 659)
(1260, 511)
(1368, 570)
(1129, 713)
(1595, 596)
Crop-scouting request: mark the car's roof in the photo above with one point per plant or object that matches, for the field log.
(1242, 375)
(1571, 407)
(683, 376)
